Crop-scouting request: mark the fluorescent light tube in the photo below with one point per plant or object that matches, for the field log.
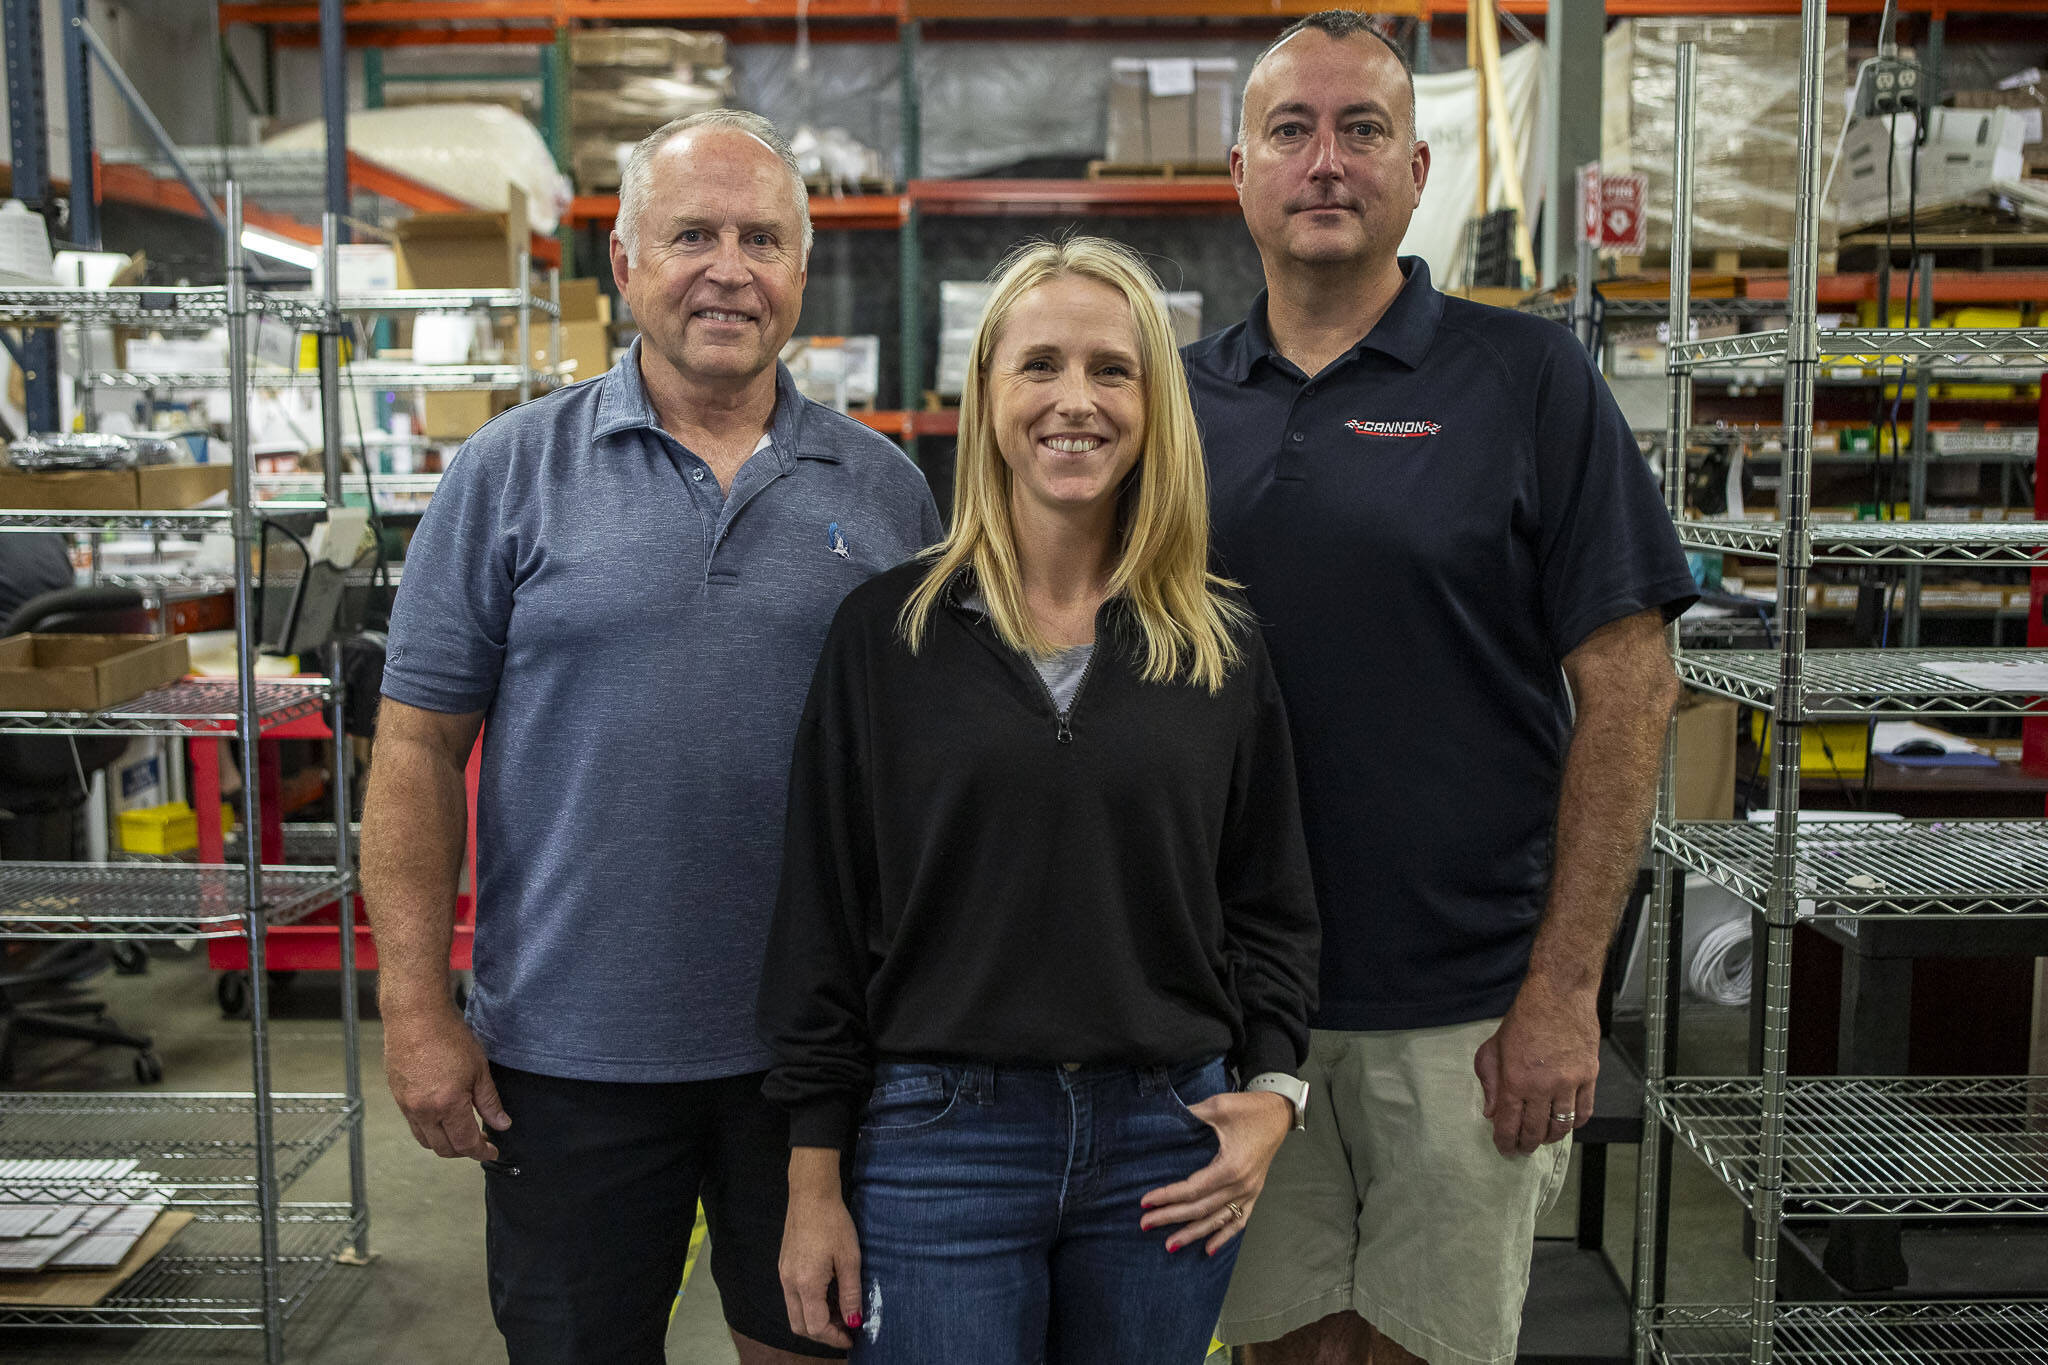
(279, 248)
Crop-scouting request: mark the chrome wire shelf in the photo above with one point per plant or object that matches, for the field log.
(200, 1145)
(311, 488)
(1952, 348)
(151, 900)
(211, 1275)
(1850, 684)
(440, 300)
(1725, 632)
(1880, 542)
(1878, 869)
(436, 377)
(143, 306)
(1657, 310)
(187, 522)
(1877, 1147)
(1846, 375)
(1962, 1332)
(175, 582)
(306, 844)
(193, 704)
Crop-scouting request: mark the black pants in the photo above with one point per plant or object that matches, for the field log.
(589, 1208)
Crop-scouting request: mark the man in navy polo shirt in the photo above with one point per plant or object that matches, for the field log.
(630, 581)
(1463, 569)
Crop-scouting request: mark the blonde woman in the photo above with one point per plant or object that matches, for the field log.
(1044, 892)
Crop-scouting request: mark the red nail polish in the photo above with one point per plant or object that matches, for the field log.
(853, 1319)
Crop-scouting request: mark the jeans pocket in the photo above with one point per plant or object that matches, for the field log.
(1193, 1083)
(909, 1099)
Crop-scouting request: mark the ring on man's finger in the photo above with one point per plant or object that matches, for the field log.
(1568, 1116)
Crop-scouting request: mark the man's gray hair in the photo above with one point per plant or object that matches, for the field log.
(1337, 24)
(638, 178)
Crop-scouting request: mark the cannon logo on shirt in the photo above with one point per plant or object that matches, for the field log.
(1399, 430)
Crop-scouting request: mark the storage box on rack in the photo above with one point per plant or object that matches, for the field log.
(1746, 123)
(586, 330)
(172, 827)
(1171, 110)
(161, 487)
(462, 250)
(86, 672)
(1703, 765)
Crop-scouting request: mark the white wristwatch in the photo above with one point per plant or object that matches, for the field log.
(1293, 1089)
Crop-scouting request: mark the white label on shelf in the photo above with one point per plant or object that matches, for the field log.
(1995, 675)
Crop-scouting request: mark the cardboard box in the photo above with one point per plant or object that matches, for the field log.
(168, 487)
(455, 415)
(462, 250)
(1171, 111)
(1703, 770)
(586, 331)
(86, 672)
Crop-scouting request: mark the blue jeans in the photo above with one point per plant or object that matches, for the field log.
(998, 1216)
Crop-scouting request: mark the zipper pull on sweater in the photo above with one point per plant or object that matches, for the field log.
(1066, 732)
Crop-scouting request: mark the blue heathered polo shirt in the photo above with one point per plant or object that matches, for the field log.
(641, 645)
(1425, 530)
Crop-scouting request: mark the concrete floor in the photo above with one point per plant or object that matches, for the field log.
(423, 1298)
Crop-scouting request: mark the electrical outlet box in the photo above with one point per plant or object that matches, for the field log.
(1891, 87)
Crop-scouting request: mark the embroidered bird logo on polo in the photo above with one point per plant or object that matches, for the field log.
(835, 541)
(1399, 431)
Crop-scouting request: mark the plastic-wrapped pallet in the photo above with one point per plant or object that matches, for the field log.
(961, 303)
(629, 81)
(1745, 130)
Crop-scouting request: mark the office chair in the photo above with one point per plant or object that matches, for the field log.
(42, 793)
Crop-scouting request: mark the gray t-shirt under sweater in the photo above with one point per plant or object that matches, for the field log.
(1062, 670)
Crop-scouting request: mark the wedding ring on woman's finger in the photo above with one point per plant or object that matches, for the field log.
(1236, 1213)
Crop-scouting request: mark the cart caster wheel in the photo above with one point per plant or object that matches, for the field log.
(231, 990)
(130, 959)
(459, 988)
(149, 1068)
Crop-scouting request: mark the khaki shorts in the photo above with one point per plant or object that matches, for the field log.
(1395, 1205)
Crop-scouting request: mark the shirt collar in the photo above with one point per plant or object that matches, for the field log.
(623, 405)
(1404, 332)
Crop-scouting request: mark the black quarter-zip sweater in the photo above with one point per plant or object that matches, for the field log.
(968, 876)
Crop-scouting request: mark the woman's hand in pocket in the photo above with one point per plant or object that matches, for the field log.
(1215, 1201)
(820, 1251)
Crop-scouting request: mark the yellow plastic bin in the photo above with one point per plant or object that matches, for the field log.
(166, 829)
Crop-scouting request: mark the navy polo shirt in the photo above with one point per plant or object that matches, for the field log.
(641, 644)
(1426, 529)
